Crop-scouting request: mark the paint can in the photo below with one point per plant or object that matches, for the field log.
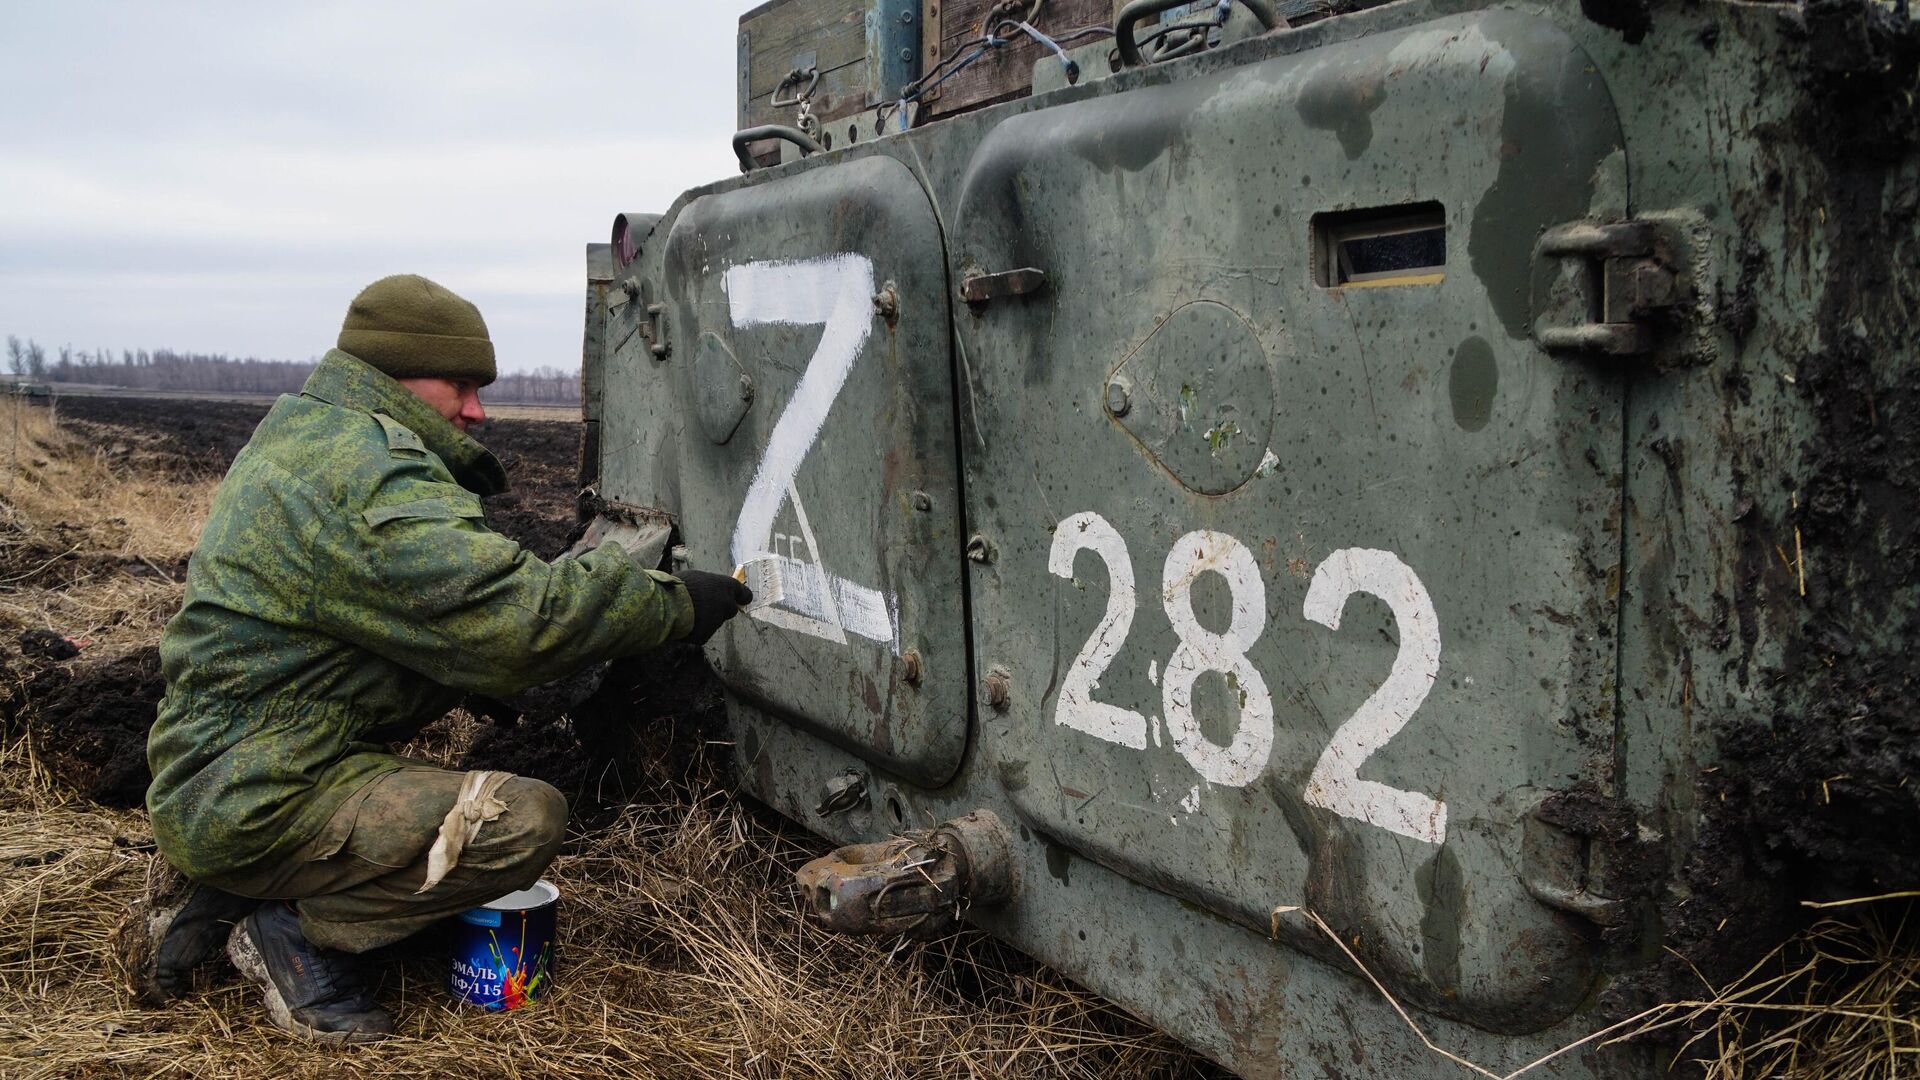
(503, 950)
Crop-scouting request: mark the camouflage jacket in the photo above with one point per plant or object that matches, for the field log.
(346, 591)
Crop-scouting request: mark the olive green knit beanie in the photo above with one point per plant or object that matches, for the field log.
(411, 328)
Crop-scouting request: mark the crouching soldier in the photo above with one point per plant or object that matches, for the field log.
(344, 593)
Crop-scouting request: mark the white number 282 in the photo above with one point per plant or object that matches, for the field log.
(1335, 783)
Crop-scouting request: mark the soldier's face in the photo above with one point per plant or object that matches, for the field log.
(456, 399)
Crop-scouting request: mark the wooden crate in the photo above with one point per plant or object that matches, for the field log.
(1004, 73)
(781, 36)
(864, 51)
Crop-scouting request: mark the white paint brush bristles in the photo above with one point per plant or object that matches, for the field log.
(762, 575)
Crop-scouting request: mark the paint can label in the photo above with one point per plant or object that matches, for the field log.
(503, 952)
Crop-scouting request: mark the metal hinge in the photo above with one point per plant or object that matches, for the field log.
(978, 288)
(1607, 288)
(1587, 854)
(653, 328)
(1557, 872)
(843, 793)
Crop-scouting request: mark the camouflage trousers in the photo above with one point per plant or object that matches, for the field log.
(357, 885)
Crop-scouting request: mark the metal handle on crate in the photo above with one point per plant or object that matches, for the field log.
(1131, 14)
(809, 75)
(799, 138)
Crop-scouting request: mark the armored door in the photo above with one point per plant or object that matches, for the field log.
(1303, 555)
(806, 320)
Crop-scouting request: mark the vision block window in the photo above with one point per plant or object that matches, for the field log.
(1391, 245)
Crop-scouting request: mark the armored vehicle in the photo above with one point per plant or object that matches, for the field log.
(1293, 513)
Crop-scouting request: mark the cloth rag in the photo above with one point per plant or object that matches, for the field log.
(478, 804)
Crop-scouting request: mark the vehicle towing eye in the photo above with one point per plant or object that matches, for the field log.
(916, 884)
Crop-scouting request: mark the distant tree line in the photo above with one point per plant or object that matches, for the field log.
(218, 373)
(545, 385)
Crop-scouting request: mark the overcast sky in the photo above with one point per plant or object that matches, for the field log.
(223, 177)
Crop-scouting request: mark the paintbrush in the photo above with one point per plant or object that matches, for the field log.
(762, 575)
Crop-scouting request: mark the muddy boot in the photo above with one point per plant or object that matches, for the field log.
(174, 928)
(312, 992)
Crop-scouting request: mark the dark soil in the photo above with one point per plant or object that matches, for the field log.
(1832, 776)
(47, 645)
(541, 459)
(643, 728)
(1633, 18)
(1817, 799)
(200, 438)
(57, 565)
(90, 724)
(608, 732)
(170, 436)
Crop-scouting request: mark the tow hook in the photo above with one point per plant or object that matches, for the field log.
(916, 884)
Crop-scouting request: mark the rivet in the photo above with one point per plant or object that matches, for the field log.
(999, 689)
(980, 549)
(886, 304)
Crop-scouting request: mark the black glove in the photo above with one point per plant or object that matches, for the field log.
(716, 598)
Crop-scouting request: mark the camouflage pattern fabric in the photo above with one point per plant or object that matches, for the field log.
(358, 882)
(346, 592)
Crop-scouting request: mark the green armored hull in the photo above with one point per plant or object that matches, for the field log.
(1426, 490)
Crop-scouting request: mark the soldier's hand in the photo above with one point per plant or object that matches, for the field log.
(716, 598)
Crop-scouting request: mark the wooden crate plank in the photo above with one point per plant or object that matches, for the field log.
(827, 34)
(1007, 72)
(832, 31)
(840, 93)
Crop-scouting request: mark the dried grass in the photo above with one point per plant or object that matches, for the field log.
(87, 549)
(682, 953)
(1838, 1001)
